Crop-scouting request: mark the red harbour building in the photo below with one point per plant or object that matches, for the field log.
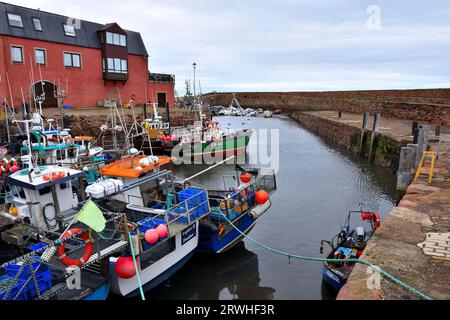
(41, 51)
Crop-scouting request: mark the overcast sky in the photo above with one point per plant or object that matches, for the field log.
(284, 45)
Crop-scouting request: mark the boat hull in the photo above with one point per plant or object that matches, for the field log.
(100, 293)
(228, 146)
(185, 244)
(335, 281)
(211, 242)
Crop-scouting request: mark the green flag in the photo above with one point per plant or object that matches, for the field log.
(92, 216)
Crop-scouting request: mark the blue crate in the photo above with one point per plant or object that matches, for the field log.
(195, 199)
(13, 269)
(39, 247)
(14, 290)
(149, 223)
(44, 284)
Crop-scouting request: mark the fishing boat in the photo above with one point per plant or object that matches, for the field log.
(163, 218)
(157, 130)
(236, 209)
(207, 139)
(41, 203)
(348, 244)
(267, 114)
(277, 111)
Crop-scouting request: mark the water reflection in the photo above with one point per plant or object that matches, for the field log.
(229, 276)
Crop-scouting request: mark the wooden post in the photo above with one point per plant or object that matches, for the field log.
(415, 126)
(363, 130)
(376, 125)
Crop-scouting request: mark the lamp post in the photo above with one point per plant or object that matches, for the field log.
(195, 66)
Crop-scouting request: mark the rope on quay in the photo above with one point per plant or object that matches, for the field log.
(363, 262)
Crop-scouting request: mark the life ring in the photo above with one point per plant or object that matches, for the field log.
(52, 176)
(89, 248)
(133, 98)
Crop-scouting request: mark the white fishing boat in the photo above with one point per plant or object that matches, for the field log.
(268, 114)
(163, 215)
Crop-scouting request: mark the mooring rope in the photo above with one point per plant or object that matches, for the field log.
(135, 266)
(363, 262)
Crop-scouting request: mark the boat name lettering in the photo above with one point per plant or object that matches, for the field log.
(188, 233)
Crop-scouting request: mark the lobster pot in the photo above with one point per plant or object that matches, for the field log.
(104, 188)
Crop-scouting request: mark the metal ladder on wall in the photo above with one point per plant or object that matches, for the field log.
(430, 156)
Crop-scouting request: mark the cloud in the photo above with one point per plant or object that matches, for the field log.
(285, 45)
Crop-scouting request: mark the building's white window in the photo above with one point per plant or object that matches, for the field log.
(72, 60)
(37, 24)
(69, 30)
(109, 37)
(116, 39)
(123, 40)
(15, 20)
(17, 54)
(116, 65)
(40, 56)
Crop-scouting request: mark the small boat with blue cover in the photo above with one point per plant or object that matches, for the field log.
(236, 209)
(348, 244)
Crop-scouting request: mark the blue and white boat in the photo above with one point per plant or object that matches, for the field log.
(236, 210)
(348, 244)
(151, 200)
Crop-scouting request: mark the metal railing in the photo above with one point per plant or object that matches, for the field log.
(243, 199)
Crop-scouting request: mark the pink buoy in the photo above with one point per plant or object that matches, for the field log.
(174, 137)
(14, 168)
(151, 236)
(162, 231)
(124, 268)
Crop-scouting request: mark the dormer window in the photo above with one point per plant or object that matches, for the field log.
(15, 20)
(37, 24)
(69, 30)
(116, 39)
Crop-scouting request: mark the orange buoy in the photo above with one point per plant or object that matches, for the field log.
(52, 176)
(246, 177)
(124, 268)
(151, 236)
(261, 197)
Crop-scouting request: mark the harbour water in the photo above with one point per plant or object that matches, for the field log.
(317, 185)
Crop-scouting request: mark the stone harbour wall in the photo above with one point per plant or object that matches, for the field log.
(431, 106)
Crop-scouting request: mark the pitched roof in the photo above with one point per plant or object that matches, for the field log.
(53, 31)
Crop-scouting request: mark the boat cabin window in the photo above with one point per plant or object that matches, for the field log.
(60, 154)
(17, 192)
(71, 153)
(44, 191)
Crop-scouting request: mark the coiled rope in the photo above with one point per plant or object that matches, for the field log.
(363, 262)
